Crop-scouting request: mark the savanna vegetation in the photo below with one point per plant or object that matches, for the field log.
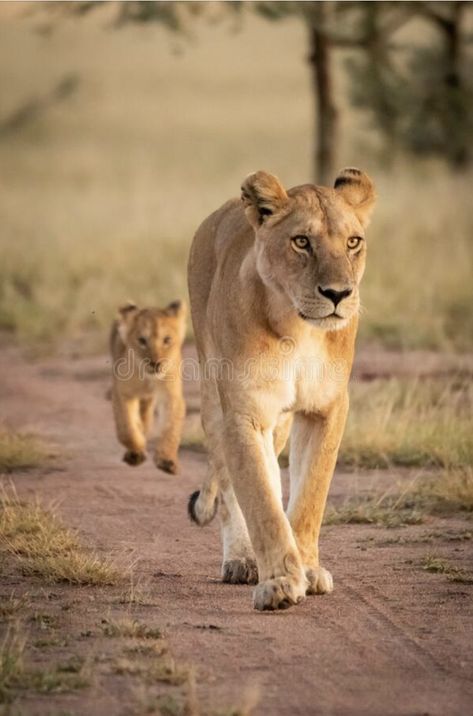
(112, 156)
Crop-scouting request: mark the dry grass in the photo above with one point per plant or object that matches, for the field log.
(128, 627)
(409, 423)
(42, 546)
(437, 565)
(12, 606)
(15, 676)
(22, 451)
(152, 670)
(445, 493)
(106, 189)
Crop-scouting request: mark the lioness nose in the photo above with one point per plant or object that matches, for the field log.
(333, 295)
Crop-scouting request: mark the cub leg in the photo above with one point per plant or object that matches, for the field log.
(147, 407)
(171, 413)
(281, 574)
(129, 427)
(314, 447)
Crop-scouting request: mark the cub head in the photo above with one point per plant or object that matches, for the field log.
(154, 334)
(310, 242)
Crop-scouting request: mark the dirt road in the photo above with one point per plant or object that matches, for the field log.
(392, 639)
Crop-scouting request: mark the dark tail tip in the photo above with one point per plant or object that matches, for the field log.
(191, 506)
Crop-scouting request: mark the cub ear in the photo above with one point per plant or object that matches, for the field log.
(262, 195)
(176, 308)
(179, 310)
(127, 310)
(126, 314)
(358, 191)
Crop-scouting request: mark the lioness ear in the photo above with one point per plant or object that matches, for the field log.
(262, 195)
(358, 190)
(126, 315)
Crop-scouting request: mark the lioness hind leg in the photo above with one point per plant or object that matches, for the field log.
(129, 428)
(239, 564)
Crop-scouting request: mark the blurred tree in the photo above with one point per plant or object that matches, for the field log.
(333, 25)
(425, 103)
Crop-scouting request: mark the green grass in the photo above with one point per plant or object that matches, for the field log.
(105, 193)
(22, 451)
(409, 423)
(443, 494)
(40, 545)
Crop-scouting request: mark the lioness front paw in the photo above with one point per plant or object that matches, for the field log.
(169, 466)
(240, 571)
(134, 458)
(279, 593)
(320, 580)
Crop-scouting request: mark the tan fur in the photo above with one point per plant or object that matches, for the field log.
(146, 357)
(280, 351)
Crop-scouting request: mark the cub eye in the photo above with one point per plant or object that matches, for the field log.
(301, 243)
(354, 241)
(167, 340)
(142, 341)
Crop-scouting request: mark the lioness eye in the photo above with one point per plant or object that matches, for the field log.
(354, 241)
(301, 242)
(167, 340)
(142, 341)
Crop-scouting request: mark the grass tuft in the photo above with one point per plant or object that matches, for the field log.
(127, 627)
(42, 546)
(12, 606)
(409, 423)
(441, 494)
(437, 565)
(22, 451)
(15, 676)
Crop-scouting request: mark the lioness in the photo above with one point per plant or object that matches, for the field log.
(273, 282)
(146, 356)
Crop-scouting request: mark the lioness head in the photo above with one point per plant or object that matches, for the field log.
(310, 242)
(154, 334)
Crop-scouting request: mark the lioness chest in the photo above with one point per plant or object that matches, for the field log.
(304, 379)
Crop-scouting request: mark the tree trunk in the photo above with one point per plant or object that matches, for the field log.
(325, 109)
(456, 121)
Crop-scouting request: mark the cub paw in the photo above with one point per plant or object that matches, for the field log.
(169, 466)
(320, 581)
(279, 593)
(132, 457)
(240, 571)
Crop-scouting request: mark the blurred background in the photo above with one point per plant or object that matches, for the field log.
(122, 125)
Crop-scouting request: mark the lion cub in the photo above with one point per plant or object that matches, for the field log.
(146, 355)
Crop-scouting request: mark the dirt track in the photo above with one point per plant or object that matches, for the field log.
(392, 639)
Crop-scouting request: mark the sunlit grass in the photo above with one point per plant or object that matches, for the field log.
(409, 423)
(442, 494)
(21, 451)
(42, 546)
(104, 193)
